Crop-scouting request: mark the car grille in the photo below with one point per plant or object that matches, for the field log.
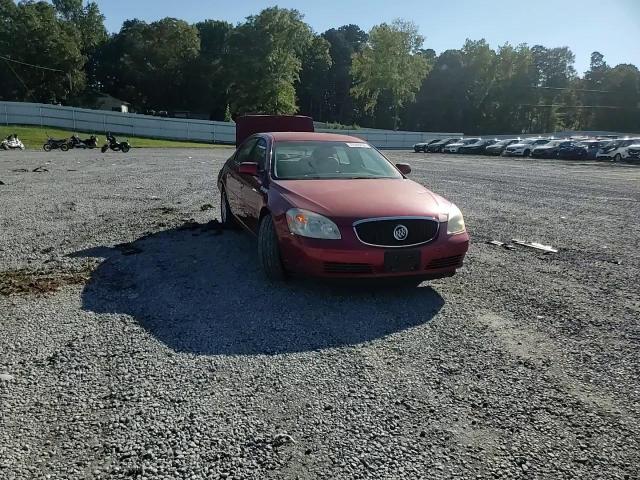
(380, 232)
(446, 262)
(336, 267)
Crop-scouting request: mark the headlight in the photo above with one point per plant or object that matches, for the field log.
(455, 224)
(312, 225)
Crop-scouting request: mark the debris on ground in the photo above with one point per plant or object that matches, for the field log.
(213, 225)
(190, 224)
(39, 170)
(16, 282)
(128, 249)
(20, 170)
(282, 439)
(2, 183)
(535, 245)
(167, 210)
(205, 207)
(508, 246)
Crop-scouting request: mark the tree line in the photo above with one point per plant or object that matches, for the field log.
(274, 62)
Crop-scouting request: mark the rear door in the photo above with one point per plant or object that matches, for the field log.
(235, 182)
(254, 191)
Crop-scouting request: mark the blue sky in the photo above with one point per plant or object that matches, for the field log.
(611, 27)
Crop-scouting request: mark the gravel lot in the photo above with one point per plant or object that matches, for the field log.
(171, 357)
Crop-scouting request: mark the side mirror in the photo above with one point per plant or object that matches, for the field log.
(248, 168)
(404, 168)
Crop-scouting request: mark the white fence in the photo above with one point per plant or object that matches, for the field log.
(84, 120)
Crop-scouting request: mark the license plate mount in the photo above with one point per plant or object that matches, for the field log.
(397, 261)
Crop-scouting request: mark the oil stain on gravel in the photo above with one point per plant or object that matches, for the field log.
(24, 281)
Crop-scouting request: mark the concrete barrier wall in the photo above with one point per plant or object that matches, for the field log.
(85, 120)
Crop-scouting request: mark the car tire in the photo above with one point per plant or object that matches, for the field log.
(527, 153)
(617, 157)
(227, 220)
(416, 149)
(269, 250)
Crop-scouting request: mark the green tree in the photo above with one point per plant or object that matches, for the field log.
(389, 67)
(31, 32)
(146, 64)
(312, 87)
(344, 42)
(265, 54)
(206, 82)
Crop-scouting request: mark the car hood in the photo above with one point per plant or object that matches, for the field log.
(457, 144)
(347, 200)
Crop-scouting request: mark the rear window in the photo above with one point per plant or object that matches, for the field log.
(312, 160)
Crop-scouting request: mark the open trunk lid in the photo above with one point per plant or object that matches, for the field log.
(247, 125)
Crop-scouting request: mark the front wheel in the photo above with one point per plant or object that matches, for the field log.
(269, 250)
(124, 147)
(527, 153)
(104, 148)
(617, 157)
(46, 147)
(64, 147)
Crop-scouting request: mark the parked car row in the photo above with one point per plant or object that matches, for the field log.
(578, 148)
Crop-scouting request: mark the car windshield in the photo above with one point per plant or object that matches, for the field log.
(309, 160)
(553, 143)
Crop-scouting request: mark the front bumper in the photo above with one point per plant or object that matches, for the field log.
(543, 154)
(513, 153)
(348, 258)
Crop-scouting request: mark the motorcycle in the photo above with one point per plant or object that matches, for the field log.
(12, 142)
(76, 142)
(53, 144)
(115, 145)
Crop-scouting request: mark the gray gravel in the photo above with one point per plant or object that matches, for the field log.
(177, 360)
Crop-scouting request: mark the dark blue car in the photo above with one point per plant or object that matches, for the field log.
(572, 151)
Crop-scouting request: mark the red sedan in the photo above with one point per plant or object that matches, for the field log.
(333, 206)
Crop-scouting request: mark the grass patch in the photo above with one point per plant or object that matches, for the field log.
(35, 137)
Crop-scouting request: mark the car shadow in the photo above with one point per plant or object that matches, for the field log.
(203, 293)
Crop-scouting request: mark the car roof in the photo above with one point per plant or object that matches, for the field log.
(312, 136)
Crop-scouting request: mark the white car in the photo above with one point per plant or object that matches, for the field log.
(454, 147)
(524, 147)
(633, 152)
(616, 150)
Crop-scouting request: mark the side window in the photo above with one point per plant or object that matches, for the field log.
(259, 154)
(245, 151)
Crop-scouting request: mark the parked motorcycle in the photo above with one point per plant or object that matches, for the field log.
(115, 145)
(12, 142)
(77, 142)
(53, 144)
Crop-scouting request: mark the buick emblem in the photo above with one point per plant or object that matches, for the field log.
(400, 232)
